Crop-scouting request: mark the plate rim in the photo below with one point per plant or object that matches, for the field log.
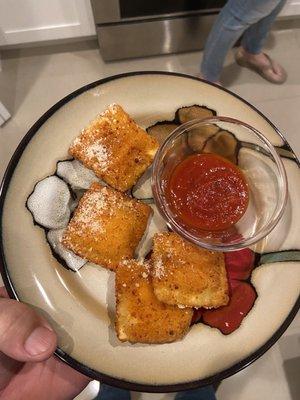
(72, 362)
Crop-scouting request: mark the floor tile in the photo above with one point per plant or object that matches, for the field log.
(283, 47)
(263, 379)
(284, 113)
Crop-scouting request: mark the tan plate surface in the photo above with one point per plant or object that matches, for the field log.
(81, 305)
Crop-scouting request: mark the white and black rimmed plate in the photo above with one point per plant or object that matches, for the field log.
(80, 305)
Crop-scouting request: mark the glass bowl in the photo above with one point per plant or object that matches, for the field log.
(246, 147)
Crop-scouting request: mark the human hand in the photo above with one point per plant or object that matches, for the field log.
(28, 369)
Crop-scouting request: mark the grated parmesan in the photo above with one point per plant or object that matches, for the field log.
(159, 270)
(98, 151)
(95, 204)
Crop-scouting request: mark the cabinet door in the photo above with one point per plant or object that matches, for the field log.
(25, 21)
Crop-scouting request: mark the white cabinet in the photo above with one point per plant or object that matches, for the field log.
(26, 21)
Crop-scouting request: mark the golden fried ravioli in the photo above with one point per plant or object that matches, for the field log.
(187, 275)
(106, 226)
(115, 148)
(140, 316)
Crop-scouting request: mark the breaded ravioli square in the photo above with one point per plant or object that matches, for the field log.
(187, 275)
(107, 226)
(115, 148)
(140, 316)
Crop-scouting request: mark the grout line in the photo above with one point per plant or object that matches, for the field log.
(270, 99)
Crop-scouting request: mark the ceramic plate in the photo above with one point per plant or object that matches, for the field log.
(81, 304)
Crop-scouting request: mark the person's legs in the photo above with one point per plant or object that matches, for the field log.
(112, 393)
(205, 393)
(250, 53)
(224, 33)
(254, 37)
(234, 19)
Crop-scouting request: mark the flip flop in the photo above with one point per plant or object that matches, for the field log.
(266, 71)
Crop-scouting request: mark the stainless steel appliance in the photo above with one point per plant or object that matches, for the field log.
(135, 28)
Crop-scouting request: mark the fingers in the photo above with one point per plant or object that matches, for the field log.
(8, 368)
(3, 292)
(69, 381)
(24, 336)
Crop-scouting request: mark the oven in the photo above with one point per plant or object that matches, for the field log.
(136, 28)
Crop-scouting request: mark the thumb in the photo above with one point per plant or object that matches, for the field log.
(24, 335)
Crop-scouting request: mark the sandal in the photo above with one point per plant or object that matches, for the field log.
(268, 72)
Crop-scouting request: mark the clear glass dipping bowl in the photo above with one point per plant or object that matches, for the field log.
(256, 157)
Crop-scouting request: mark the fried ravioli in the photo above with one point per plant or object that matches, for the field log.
(106, 227)
(115, 148)
(186, 275)
(140, 316)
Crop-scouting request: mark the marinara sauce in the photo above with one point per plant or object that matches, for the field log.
(207, 192)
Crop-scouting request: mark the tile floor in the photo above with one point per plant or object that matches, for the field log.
(32, 80)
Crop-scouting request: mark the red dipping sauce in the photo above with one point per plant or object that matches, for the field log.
(207, 192)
